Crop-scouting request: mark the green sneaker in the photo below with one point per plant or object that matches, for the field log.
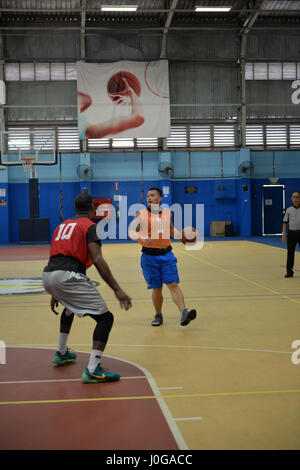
(62, 359)
(98, 376)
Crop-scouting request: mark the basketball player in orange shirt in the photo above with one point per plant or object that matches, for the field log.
(154, 228)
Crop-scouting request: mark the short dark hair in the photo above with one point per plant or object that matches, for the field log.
(83, 202)
(156, 189)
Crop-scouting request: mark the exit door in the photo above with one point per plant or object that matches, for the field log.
(273, 207)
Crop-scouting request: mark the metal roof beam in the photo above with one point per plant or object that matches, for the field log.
(82, 31)
(249, 22)
(65, 11)
(163, 52)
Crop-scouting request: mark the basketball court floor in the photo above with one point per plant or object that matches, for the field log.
(228, 380)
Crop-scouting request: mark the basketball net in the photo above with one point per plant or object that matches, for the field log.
(28, 163)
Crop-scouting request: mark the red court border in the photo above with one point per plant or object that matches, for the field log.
(44, 407)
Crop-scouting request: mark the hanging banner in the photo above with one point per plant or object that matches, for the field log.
(123, 99)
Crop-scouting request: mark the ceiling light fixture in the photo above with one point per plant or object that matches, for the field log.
(119, 7)
(212, 9)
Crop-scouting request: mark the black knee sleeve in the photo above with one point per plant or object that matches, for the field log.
(103, 327)
(66, 319)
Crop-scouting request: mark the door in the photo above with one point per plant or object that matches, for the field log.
(273, 206)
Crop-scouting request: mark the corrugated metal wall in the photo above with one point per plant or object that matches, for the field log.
(273, 45)
(204, 72)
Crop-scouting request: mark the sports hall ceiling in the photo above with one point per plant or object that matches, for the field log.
(158, 17)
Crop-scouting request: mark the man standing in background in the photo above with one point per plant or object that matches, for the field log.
(291, 220)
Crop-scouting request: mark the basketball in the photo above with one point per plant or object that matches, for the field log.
(189, 235)
(116, 84)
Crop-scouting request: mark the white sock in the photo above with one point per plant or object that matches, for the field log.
(62, 342)
(95, 359)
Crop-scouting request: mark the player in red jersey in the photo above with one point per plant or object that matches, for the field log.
(75, 246)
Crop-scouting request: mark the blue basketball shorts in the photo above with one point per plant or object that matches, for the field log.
(159, 270)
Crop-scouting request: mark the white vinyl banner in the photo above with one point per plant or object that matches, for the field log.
(123, 99)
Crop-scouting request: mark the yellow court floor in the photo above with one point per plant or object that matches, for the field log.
(229, 379)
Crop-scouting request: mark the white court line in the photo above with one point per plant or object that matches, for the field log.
(59, 380)
(163, 406)
(194, 418)
(213, 348)
(175, 346)
(38, 381)
(170, 388)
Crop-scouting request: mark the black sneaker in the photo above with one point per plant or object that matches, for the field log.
(289, 275)
(187, 316)
(158, 319)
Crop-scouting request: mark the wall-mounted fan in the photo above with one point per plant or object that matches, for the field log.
(85, 172)
(246, 169)
(165, 170)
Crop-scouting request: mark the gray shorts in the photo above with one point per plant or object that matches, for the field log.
(75, 291)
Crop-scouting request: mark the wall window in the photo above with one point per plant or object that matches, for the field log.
(188, 136)
(178, 137)
(28, 71)
(294, 135)
(272, 70)
(47, 71)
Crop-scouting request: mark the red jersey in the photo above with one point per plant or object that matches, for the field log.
(69, 239)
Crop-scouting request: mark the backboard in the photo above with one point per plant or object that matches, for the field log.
(21, 143)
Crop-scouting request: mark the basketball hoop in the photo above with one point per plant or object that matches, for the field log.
(17, 145)
(28, 163)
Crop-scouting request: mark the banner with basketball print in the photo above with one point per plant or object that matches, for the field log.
(123, 99)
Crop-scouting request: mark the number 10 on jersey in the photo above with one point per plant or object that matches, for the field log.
(65, 231)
